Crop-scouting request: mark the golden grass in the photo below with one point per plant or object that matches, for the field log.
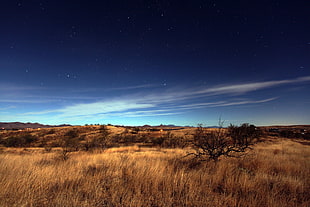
(274, 174)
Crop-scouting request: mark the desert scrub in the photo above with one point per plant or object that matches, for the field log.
(152, 177)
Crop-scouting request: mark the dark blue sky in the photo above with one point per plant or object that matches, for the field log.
(152, 62)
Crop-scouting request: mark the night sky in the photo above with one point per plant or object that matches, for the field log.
(155, 62)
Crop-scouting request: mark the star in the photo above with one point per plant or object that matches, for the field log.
(170, 29)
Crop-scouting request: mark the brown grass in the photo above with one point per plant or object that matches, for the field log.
(274, 174)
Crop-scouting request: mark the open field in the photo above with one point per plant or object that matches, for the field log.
(275, 173)
(87, 137)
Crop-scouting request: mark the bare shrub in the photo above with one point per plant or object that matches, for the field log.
(172, 141)
(210, 145)
(102, 141)
(69, 143)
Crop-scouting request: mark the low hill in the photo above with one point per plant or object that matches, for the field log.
(20, 125)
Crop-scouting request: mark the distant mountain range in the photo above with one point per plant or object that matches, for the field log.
(172, 125)
(20, 125)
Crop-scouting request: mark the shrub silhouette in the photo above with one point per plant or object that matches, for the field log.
(102, 140)
(13, 142)
(70, 140)
(172, 141)
(210, 145)
(244, 135)
(22, 140)
(69, 143)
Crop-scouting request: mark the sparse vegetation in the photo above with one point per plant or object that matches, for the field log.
(142, 173)
(147, 177)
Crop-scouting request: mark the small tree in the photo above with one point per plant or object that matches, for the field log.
(102, 140)
(69, 143)
(210, 145)
(244, 135)
(172, 141)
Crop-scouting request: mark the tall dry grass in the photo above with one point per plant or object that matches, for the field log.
(274, 174)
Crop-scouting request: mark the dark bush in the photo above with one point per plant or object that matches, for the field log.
(210, 145)
(70, 141)
(14, 142)
(157, 141)
(243, 135)
(29, 139)
(23, 140)
(172, 141)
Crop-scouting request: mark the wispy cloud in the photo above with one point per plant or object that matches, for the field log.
(221, 103)
(9, 87)
(105, 89)
(7, 108)
(232, 89)
(160, 103)
(244, 102)
(102, 107)
(150, 113)
(24, 100)
(11, 93)
(248, 87)
(135, 108)
(134, 87)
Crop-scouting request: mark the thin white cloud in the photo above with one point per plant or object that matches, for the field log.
(244, 102)
(7, 108)
(222, 103)
(132, 108)
(33, 101)
(101, 107)
(167, 102)
(150, 113)
(134, 87)
(183, 94)
(198, 105)
(169, 95)
(87, 90)
(8, 87)
(248, 87)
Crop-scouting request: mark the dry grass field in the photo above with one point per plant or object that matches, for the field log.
(275, 173)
